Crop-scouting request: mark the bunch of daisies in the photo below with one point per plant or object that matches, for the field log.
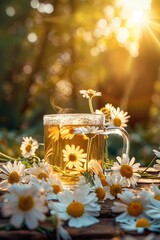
(114, 117)
(33, 193)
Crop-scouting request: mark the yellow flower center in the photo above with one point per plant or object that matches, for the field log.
(42, 175)
(117, 122)
(135, 208)
(13, 177)
(71, 130)
(126, 171)
(91, 93)
(56, 188)
(28, 148)
(100, 193)
(142, 222)
(115, 189)
(157, 197)
(106, 112)
(72, 157)
(25, 203)
(75, 209)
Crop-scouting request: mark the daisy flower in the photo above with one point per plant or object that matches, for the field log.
(119, 118)
(80, 130)
(106, 110)
(67, 132)
(90, 93)
(40, 170)
(79, 207)
(127, 168)
(44, 187)
(74, 157)
(140, 225)
(155, 192)
(53, 133)
(157, 166)
(12, 173)
(116, 185)
(153, 208)
(98, 188)
(24, 204)
(61, 233)
(57, 187)
(93, 130)
(28, 147)
(94, 168)
(132, 206)
(88, 130)
(157, 153)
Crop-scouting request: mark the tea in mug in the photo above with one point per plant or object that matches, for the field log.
(68, 152)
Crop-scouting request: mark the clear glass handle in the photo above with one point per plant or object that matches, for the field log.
(125, 137)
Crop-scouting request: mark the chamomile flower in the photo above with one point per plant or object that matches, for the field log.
(94, 130)
(98, 188)
(157, 166)
(80, 130)
(90, 93)
(132, 206)
(74, 157)
(61, 233)
(89, 131)
(119, 118)
(53, 133)
(116, 185)
(140, 225)
(44, 187)
(12, 173)
(67, 132)
(28, 147)
(153, 208)
(106, 110)
(24, 204)
(40, 170)
(79, 208)
(57, 187)
(155, 192)
(127, 168)
(157, 153)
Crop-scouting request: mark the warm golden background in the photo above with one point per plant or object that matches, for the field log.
(56, 48)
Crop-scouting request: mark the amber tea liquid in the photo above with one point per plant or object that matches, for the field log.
(69, 153)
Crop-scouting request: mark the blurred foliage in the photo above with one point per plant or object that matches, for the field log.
(57, 47)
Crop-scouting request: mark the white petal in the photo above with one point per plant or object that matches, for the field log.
(30, 220)
(17, 219)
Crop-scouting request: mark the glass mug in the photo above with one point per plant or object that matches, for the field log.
(69, 153)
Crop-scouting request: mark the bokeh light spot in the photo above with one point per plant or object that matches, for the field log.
(109, 11)
(34, 4)
(32, 37)
(27, 69)
(122, 35)
(10, 11)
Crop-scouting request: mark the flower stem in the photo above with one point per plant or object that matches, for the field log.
(91, 105)
(148, 165)
(8, 157)
(88, 151)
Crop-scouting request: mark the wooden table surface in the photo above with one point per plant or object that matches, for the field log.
(107, 228)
